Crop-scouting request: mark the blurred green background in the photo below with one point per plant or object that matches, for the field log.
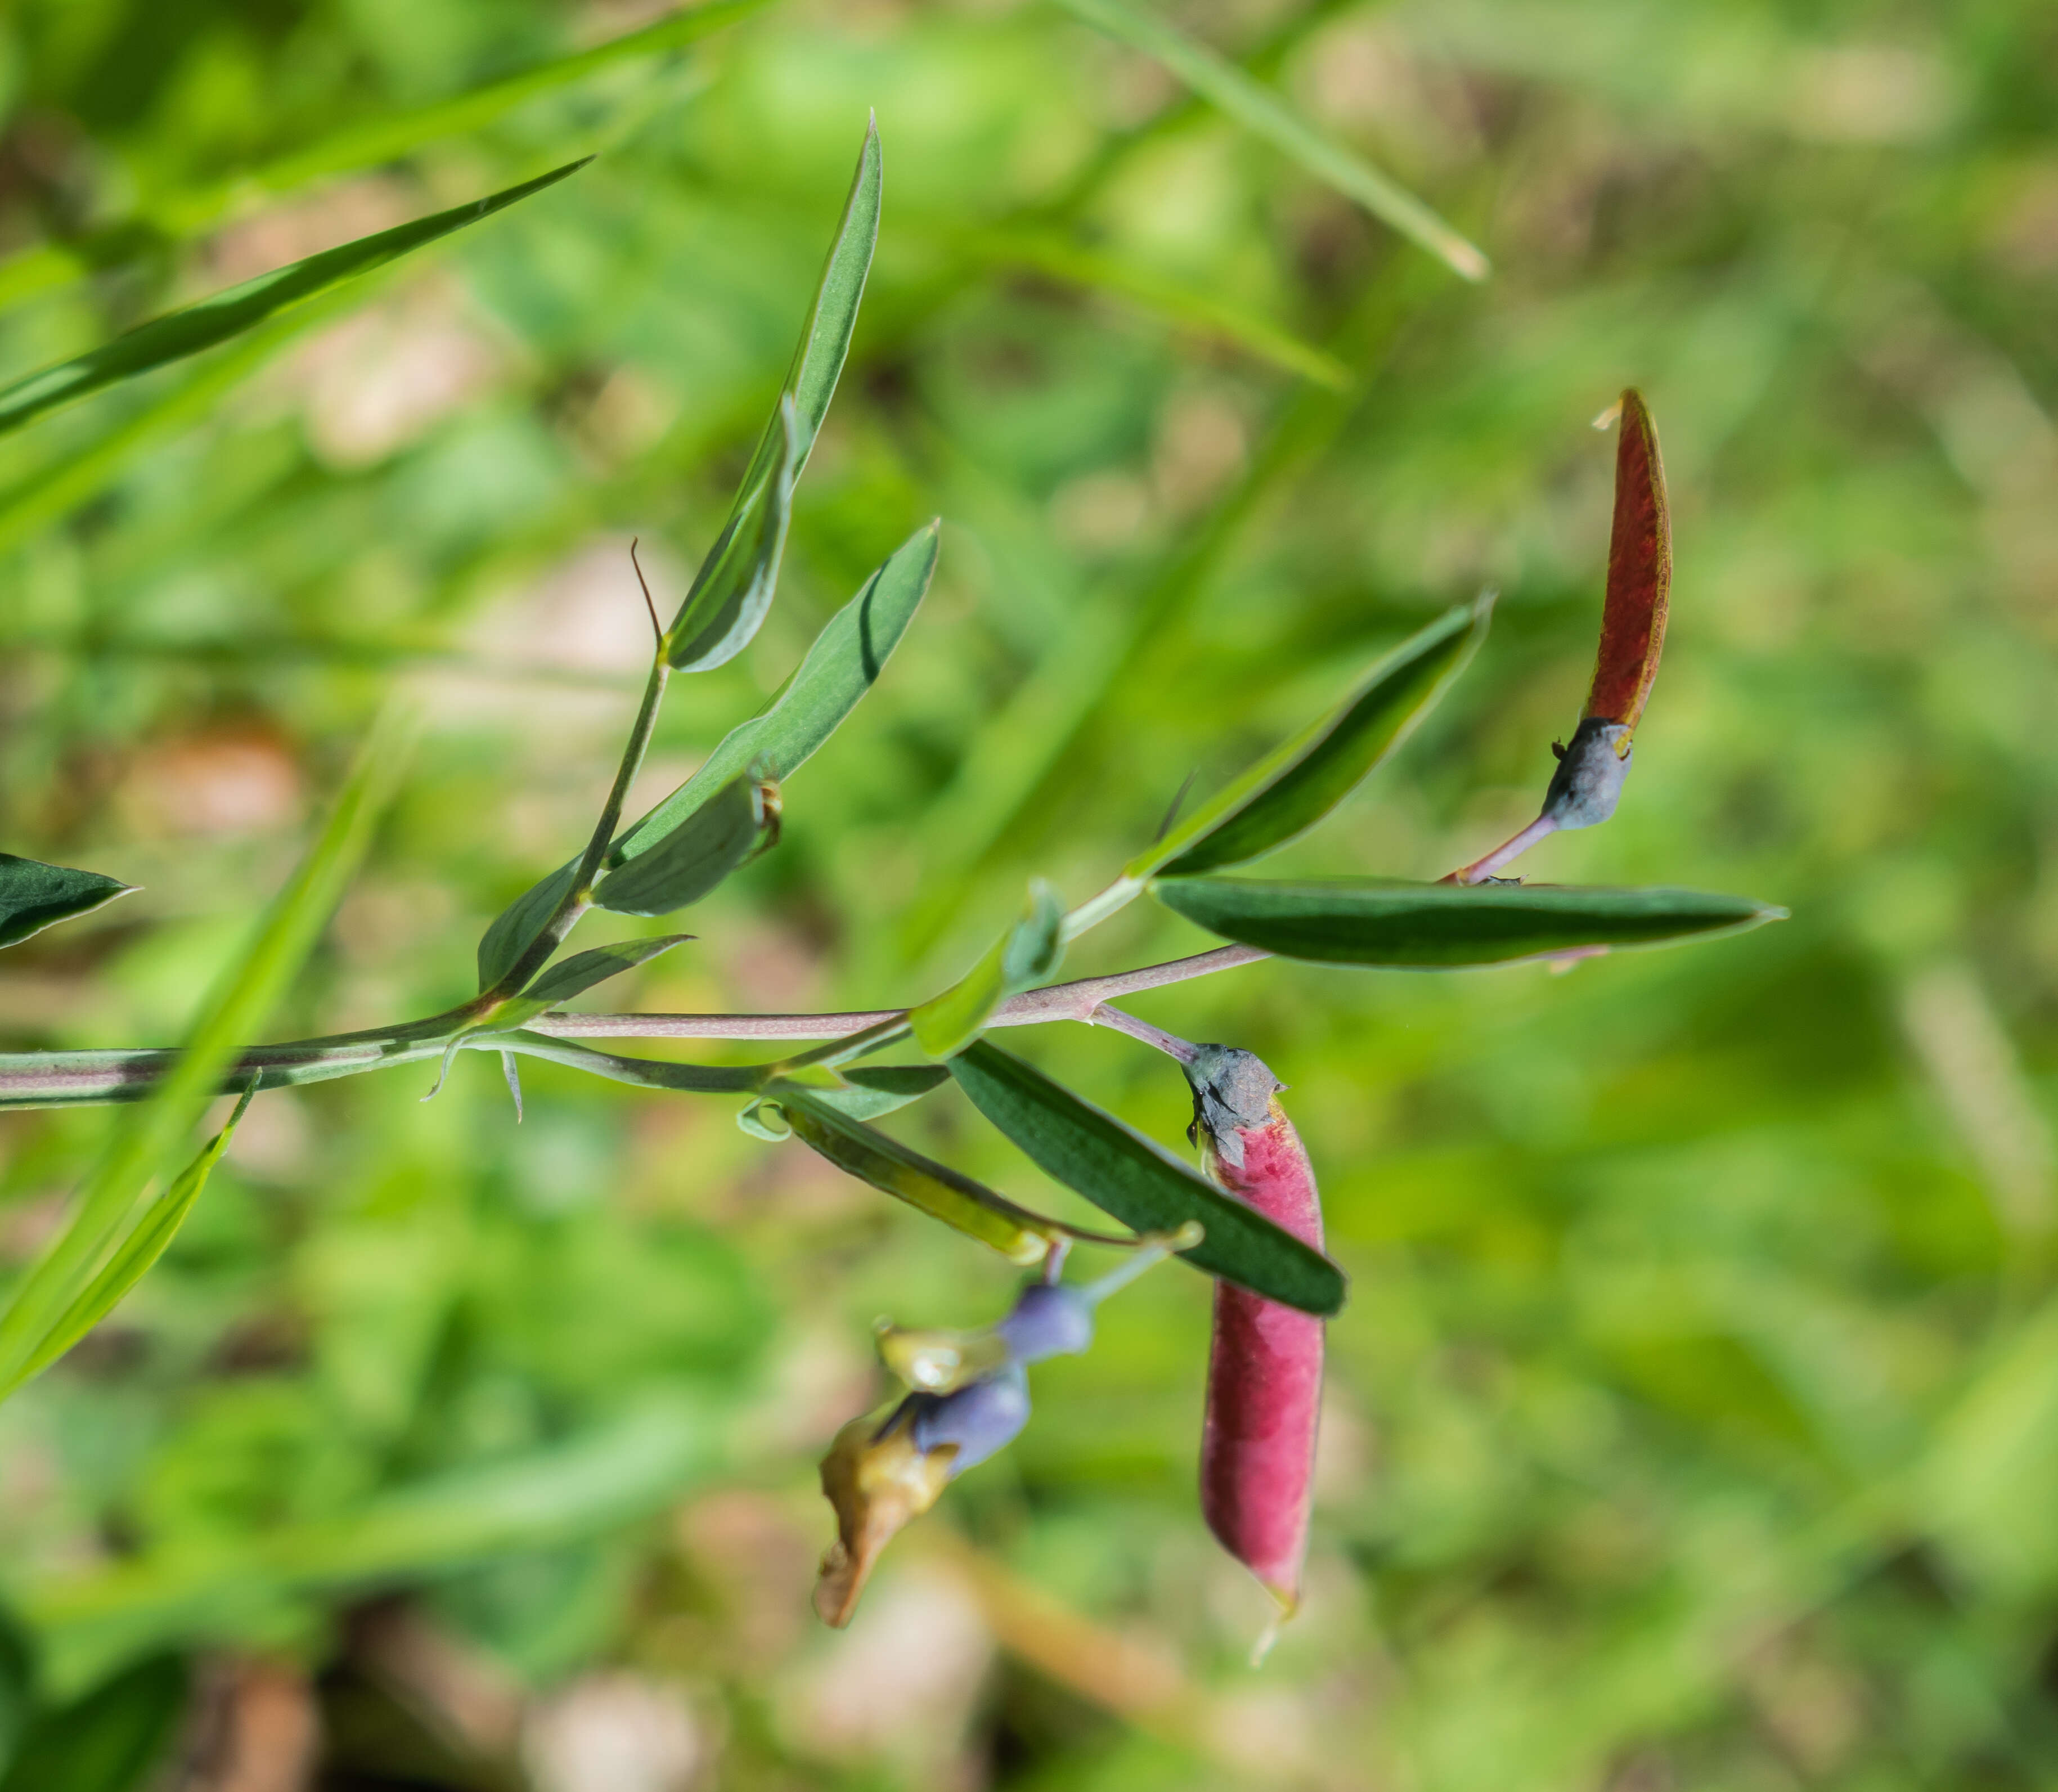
(1695, 1419)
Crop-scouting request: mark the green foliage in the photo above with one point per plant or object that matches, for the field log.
(691, 859)
(1688, 1423)
(732, 590)
(1416, 926)
(34, 895)
(1289, 792)
(242, 308)
(842, 665)
(110, 1740)
(1028, 954)
(145, 1139)
(1135, 1178)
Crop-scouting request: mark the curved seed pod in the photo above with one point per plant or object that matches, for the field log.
(1639, 574)
(1265, 1371)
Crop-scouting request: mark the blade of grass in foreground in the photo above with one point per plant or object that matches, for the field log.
(213, 321)
(148, 1139)
(1197, 313)
(364, 145)
(1261, 111)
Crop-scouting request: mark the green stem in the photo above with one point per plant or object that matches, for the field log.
(579, 898)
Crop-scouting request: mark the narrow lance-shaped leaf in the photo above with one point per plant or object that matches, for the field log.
(713, 626)
(181, 333)
(1261, 112)
(146, 1138)
(1289, 792)
(34, 896)
(1403, 926)
(1028, 954)
(519, 923)
(1140, 1183)
(560, 983)
(936, 1189)
(733, 591)
(694, 858)
(843, 663)
(139, 1251)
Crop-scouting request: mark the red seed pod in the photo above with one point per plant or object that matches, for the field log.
(1639, 574)
(1265, 1372)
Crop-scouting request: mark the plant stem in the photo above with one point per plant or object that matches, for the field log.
(93, 1079)
(579, 898)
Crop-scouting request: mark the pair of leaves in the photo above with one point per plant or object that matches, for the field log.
(1291, 790)
(842, 665)
(34, 896)
(1124, 1174)
(182, 333)
(684, 866)
(732, 590)
(1418, 926)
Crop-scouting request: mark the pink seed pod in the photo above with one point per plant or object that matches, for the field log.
(1265, 1372)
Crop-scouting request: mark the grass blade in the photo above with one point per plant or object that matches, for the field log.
(1201, 314)
(1261, 112)
(1141, 1184)
(179, 334)
(1401, 926)
(146, 1138)
(366, 145)
(141, 1249)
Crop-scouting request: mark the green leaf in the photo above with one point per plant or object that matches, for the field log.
(715, 623)
(575, 975)
(1140, 1183)
(181, 333)
(843, 663)
(935, 1189)
(147, 1138)
(139, 1250)
(732, 593)
(1261, 112)
(1414, 926)
(108, 1740)
(34, 896)
(871, 1090)
(504, 942)
(691, 859)
(1288, 792)
(1028, 954)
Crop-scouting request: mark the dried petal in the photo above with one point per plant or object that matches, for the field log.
(878, 1478)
